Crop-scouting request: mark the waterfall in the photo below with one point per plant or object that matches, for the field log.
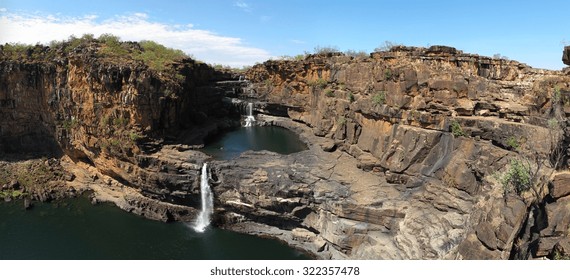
(249, 120)
(207, 210)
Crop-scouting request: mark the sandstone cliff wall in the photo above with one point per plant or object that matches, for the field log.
(407, 147)
(440, 127)
(107, 111)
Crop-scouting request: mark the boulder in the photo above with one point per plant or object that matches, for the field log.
(486, 234)
(303, 234)
(28, 203)
(562, 249)
(328, 146)
(558, 218)
(560, 185)
(545, 246)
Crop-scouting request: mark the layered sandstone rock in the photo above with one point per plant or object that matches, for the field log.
(110, 112)
(407, 148)
(436, 129)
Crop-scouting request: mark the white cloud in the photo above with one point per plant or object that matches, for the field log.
(2, 10)
(202, 44)
(243, 5)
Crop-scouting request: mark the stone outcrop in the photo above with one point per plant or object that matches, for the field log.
(408, 149)
(112, 113)
(436, 128)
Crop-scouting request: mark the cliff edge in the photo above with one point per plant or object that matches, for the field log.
(414, 153)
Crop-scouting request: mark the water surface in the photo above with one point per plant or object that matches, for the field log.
(231, 144)
(75, 229)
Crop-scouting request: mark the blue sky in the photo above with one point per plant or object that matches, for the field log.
(242, 32)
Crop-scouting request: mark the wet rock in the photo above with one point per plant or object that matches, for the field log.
(28, 203)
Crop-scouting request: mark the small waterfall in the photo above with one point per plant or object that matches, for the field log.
(249, 120)
(207, 210)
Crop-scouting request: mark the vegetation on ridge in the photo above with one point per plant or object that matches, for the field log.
(107, 46)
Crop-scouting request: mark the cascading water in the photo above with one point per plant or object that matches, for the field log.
(207, 210)
(249, 120)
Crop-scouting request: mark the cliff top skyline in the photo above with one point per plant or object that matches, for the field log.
(238, 33)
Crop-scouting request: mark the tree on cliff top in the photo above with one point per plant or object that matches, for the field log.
(108, 46)
(158, 56)
(153, 54)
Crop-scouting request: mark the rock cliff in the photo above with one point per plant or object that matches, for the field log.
(414, 153)
(109, 111)
(438, 129)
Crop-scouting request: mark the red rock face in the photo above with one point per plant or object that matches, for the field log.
(410, 148)
(437, 113)
(100, 110)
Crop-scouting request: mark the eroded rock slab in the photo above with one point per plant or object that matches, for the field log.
(357, 213)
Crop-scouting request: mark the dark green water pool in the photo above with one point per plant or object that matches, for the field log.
(271, 138)
(75, 229)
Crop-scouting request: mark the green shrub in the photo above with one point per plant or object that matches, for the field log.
(329, 93)
(158, 56)
(180, 78)
(517, 177)
(341, 121)
(556, 95)
(15, 51)
(134, 136)
(88, 37)
(387, 74)
(112, 46)
(108, 38)
(15, 194)
(299, 57)
(72, 43)
(320, 82)
(351, 97)
(115, 143)
(456, 129)
(105, 121)
(379, 98)
(557, 255)
(153, 54)
(553, 123)
(69, 124)
(121, 122)
(513, 143)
